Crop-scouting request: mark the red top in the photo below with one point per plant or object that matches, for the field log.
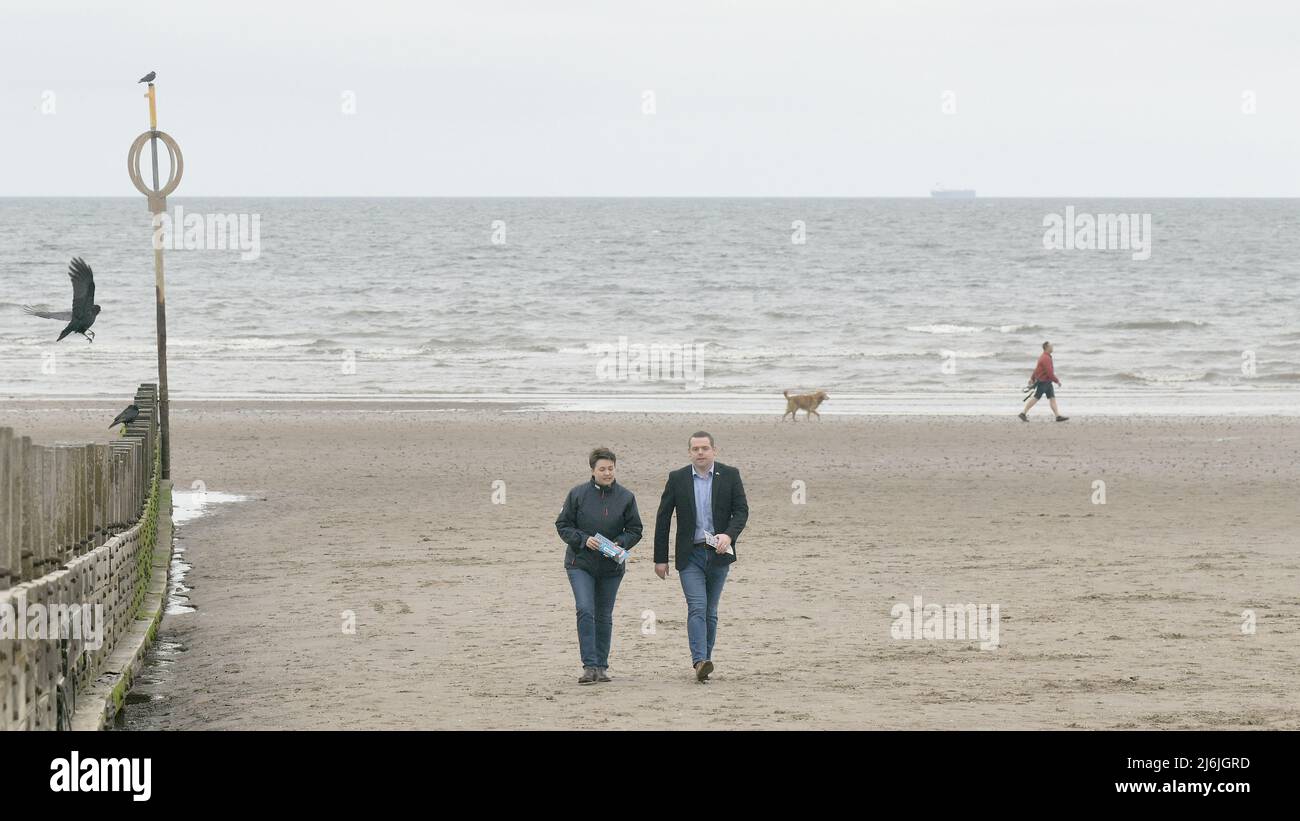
(1043, 370)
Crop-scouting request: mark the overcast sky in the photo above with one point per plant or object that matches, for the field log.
(547, 98)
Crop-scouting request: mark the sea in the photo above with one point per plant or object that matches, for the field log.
(889, 305)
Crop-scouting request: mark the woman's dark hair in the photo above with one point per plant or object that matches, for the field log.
(601, 453)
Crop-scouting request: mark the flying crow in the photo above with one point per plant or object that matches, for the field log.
(149, 78)
(84, 310)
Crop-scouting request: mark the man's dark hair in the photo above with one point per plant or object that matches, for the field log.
(700, 434)
(1045, 344)
(601, 453)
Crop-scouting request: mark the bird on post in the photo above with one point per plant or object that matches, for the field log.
(84, 310)
(149, 78)
(126, 417)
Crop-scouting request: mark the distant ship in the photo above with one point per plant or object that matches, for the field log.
(953, 193)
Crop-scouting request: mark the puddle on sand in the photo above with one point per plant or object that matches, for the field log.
(191, 504)
(148, 706)
(188, 505)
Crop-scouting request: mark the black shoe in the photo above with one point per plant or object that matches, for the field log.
(1024, 418)
(602, 675)
(588, 675)
(702, 670)
(1062, 418)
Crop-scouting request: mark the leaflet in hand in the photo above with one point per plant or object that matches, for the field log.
(611, 550)
(712, 541)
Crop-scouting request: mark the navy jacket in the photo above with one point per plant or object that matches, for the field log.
(730, 512)
(590, 509)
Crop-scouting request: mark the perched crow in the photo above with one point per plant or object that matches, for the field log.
(84, 310)
(127, 416)
(149, 78)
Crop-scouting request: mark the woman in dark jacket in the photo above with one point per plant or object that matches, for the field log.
(599, 505)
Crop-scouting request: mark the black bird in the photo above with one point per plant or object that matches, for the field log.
(127, 416)
(149, 78)
(84, 310)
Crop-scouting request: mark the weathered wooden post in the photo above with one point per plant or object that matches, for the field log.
(77, 457)
(17, 474)
(88, 496)
(50, 551)
(23, 496)
(137, 471)
(157, 196)
(99, 459)
(119, 484)
(6, 674)
(36, 505)
(63, 496)
(8, 547)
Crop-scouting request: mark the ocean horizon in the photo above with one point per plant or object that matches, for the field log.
(889, 304)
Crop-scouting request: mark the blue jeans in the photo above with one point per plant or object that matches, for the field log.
(594, 597)
(702, 580)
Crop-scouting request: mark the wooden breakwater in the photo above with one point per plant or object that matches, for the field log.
(78, 527)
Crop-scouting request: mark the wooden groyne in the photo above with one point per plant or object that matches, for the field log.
(79, 556)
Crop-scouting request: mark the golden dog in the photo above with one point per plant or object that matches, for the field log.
(806, 402)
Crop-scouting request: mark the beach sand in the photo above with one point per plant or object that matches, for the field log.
(1126, 614)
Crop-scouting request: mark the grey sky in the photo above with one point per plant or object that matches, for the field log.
(756, 98)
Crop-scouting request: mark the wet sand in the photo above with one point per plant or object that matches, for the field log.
(1126, 614)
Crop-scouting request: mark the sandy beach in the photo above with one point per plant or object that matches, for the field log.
(1127, 614)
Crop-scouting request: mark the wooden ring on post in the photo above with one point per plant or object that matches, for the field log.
(177, 166)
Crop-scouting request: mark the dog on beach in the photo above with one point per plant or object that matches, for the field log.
(806, 402)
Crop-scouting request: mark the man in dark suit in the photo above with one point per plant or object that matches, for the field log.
(709, 499)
